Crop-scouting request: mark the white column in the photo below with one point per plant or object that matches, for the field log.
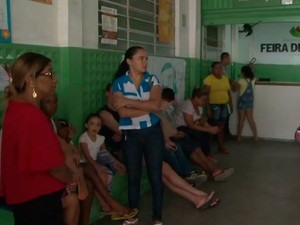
(188, 28)
(70, 23)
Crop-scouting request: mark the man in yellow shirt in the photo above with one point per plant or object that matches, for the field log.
(220, 102)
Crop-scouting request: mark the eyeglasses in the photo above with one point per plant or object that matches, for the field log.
(50, 74)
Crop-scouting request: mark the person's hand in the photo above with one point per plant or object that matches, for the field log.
(117, 137)
(120, 168)
(164, 105)
(214, 130)
(120, 101)
(180, 134)
(170, 145)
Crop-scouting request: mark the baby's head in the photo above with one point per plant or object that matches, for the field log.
(168, 95)
(49, 105)
(93, 124)
(65, 130)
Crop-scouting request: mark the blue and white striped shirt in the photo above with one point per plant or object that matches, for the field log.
(127, 88)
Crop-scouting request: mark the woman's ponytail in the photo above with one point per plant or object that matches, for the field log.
(124, 67)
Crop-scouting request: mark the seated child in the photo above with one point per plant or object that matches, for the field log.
(95, 153)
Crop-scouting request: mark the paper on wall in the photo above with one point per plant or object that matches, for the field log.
(109, 25)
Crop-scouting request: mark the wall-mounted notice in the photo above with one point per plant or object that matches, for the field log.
(109, 22)
(5, 29)
(49, 2)
(165, 21)
(277, 43)
(170, 72)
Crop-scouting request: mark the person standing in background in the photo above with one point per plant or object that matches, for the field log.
(245, 88)
(137, 96)
(225, 62)
(220, 101)
(33, 166)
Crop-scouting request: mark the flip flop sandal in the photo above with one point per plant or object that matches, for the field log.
(109, 213)
(128, 215)
(213, 202)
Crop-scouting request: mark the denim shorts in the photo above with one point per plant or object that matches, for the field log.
(219, 112)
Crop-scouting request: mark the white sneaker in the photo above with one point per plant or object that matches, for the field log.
(196, 178)
(132, 221)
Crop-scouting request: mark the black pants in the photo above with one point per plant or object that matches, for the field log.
(201, 137)
(44, 210)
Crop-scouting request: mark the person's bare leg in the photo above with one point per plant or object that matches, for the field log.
(220, 137)
(86, 204)
(198, 158)
(180, 187)
(178, 182)
(104, 205)
(102, 173)
(71, 209)
(241, 122)
(90, 173)
(249, 115)
(207, 165)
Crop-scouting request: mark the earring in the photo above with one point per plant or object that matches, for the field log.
(34, 94)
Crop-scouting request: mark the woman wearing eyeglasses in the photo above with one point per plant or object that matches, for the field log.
(33, 174)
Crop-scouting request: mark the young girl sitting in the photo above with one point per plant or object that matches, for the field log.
(245, 87)
(95, 153)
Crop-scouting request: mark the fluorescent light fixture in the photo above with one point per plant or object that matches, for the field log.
(287, 2)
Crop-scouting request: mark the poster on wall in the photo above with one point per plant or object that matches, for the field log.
(165, 21)
(109, 21)
(170, 72)
(5, 29)
(277, 43)
(49, 2)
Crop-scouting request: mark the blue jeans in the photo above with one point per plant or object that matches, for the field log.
(150, 143)
(178, 161)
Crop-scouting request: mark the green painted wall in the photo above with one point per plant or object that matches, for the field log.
(252, 11)
(83, 75)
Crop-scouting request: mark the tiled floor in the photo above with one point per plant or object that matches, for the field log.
(263, 191)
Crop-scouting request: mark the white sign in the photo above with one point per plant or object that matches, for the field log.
(109, 21)
(276, 43)
(170, 72)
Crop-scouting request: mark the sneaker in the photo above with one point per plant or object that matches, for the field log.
(157, 223)
(132, 221)
(196, 177)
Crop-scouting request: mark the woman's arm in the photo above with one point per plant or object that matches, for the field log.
(109, 121)
(128, 112)
(63, 174)
(86, 153)
(151, 105)
(190, 123)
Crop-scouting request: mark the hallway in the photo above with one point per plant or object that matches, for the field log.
(263, 191)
